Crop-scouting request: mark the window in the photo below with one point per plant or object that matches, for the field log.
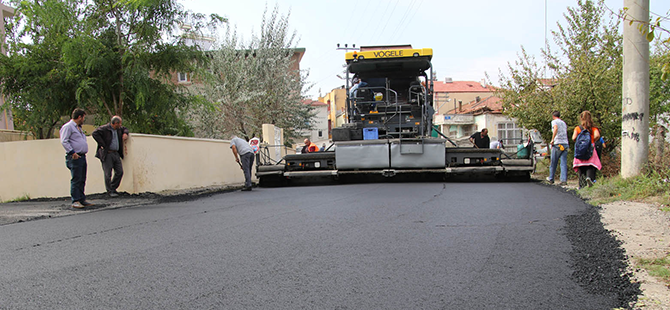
(320, 133)
(509, 133)
(182, 77)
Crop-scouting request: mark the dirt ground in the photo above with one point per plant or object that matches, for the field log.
(645, 233)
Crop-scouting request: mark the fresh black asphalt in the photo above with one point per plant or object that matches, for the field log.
(357, 246)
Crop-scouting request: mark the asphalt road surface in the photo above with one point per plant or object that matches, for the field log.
(355, 246)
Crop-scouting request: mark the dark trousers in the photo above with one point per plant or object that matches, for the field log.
(586, 172)
(78, 181)
(247, 161)
(112, 162)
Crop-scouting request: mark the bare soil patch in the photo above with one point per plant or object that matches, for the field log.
(645, 233)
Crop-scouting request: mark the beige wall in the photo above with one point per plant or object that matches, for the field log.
(152, 164)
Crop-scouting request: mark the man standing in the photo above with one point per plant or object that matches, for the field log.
(559, 148)
(110, 139)
(481, 139)
(244, 153)
(73, 139)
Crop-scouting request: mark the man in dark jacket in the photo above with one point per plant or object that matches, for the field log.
(110, 138)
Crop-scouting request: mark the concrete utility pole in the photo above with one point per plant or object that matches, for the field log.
(635, 105)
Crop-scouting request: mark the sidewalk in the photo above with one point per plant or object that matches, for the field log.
(35, 209)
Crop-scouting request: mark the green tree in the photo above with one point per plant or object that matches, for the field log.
(659, 87)
(126, 55)
(586, 76)
(34, 78)
(254, 84)
(116, 57)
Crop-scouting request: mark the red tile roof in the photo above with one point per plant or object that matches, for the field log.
(314, 103)
(461, 87)
(490, 104)
(548, 82)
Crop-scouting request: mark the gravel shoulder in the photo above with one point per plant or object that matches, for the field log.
(644, 231)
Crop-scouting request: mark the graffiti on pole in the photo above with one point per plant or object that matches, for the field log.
(633, 117)
(631, 135)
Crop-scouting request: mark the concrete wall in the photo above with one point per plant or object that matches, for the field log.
(153, 163)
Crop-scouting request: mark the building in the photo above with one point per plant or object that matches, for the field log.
(476, 115)
(319, 133)
(466, 107)
(336, 100)
(193, 83)
(448, 95)
(6, 120)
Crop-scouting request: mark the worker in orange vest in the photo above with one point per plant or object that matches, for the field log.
(309, 147)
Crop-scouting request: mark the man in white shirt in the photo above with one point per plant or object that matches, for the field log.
(244, 155)
(559, 148)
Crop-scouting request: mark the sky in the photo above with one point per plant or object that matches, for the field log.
(470, 39)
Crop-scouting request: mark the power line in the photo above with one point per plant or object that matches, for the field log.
(389, 19)
(381, 17)
(417, 10)
(402, 21)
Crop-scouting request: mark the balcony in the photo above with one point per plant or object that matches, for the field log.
(454, 119)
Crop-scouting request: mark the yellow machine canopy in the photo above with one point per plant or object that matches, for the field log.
(389, 60)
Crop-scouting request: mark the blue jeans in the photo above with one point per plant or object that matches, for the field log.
(78, 171)
(555, 154)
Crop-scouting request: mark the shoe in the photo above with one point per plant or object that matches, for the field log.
(246, 189)
(86, 203)
(113, 194)
(589, 182)
(551, 181)
(563, 183)
(77, 205)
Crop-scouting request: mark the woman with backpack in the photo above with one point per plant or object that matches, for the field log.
(586, 159)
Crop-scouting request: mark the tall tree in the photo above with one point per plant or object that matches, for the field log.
(116, 55)
(124, 58)
(34, 78)
(586, 75)
(254, 84)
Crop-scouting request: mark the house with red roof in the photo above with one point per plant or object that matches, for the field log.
(466, 107)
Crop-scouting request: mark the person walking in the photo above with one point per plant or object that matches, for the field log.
(244, 155)
(481, 139)
(559, 148)
(73, 139)
(587, 167)
(110, 138)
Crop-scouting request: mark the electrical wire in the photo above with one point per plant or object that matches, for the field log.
(402, 21)
(416, 11)
(389, 19)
